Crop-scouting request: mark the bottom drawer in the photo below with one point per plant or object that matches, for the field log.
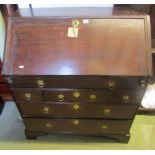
(81, 126)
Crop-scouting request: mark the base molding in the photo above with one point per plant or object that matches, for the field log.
(124, 138)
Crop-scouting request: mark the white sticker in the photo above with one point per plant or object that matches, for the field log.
(85, 21)
(73, 32)
(21, 66)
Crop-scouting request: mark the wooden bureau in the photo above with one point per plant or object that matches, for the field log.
(78, 74)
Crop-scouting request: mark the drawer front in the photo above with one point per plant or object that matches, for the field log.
(86, 110)
(27, 95)
(79, 95)
(107, 82)
(78, 126)
(71, 95)
(94, 95)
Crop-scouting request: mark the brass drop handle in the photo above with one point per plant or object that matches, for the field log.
(76, 122)
(61, 97)
(125, 98)
(27, 96)
(76, 94)
(107, 112)
(40, 83)
(104, 127)
(92, 97)
(111, 84)
(46, 110)
(48, 125)
(76, 106)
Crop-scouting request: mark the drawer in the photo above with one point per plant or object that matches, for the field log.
(82, 126)
(28, 95)
(106, 82)
(85, 110)
(93, 95)
(79, 95)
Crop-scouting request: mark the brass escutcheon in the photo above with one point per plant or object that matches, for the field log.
(28, 96)
(125, 98)
(92, 97)
(46, 110)
(61, 97)
(104, 126)
(111, 84)
(76, 106)
(76, 94)
(40, 83)
(76, 122)
(48, 125)
(107, 111)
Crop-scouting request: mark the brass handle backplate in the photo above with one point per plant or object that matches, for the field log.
(107, 112)
(48, 125)
(61, 97)
(111, 84)
(76, 94)
(40, 83)
(104, 127)
(28, 96)
(76, 122)
(125, 98)
(46, 110)
(92, 97)
(76, 106)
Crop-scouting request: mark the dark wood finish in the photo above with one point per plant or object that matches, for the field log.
(32, 135)
(85, 126)
(69, 81)
(65, 54)
(85, 110)
(36, 95)
(110, 59)
(113, 96)
(152, 17)
(146, 111)
(85, 95)
(153, 44)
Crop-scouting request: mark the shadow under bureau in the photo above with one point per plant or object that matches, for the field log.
(77, 74)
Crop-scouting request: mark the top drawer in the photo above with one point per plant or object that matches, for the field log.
(104, 82)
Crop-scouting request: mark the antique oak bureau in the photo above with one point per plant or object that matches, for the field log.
(78, 74)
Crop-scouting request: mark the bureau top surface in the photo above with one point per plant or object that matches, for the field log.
(111, 45)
